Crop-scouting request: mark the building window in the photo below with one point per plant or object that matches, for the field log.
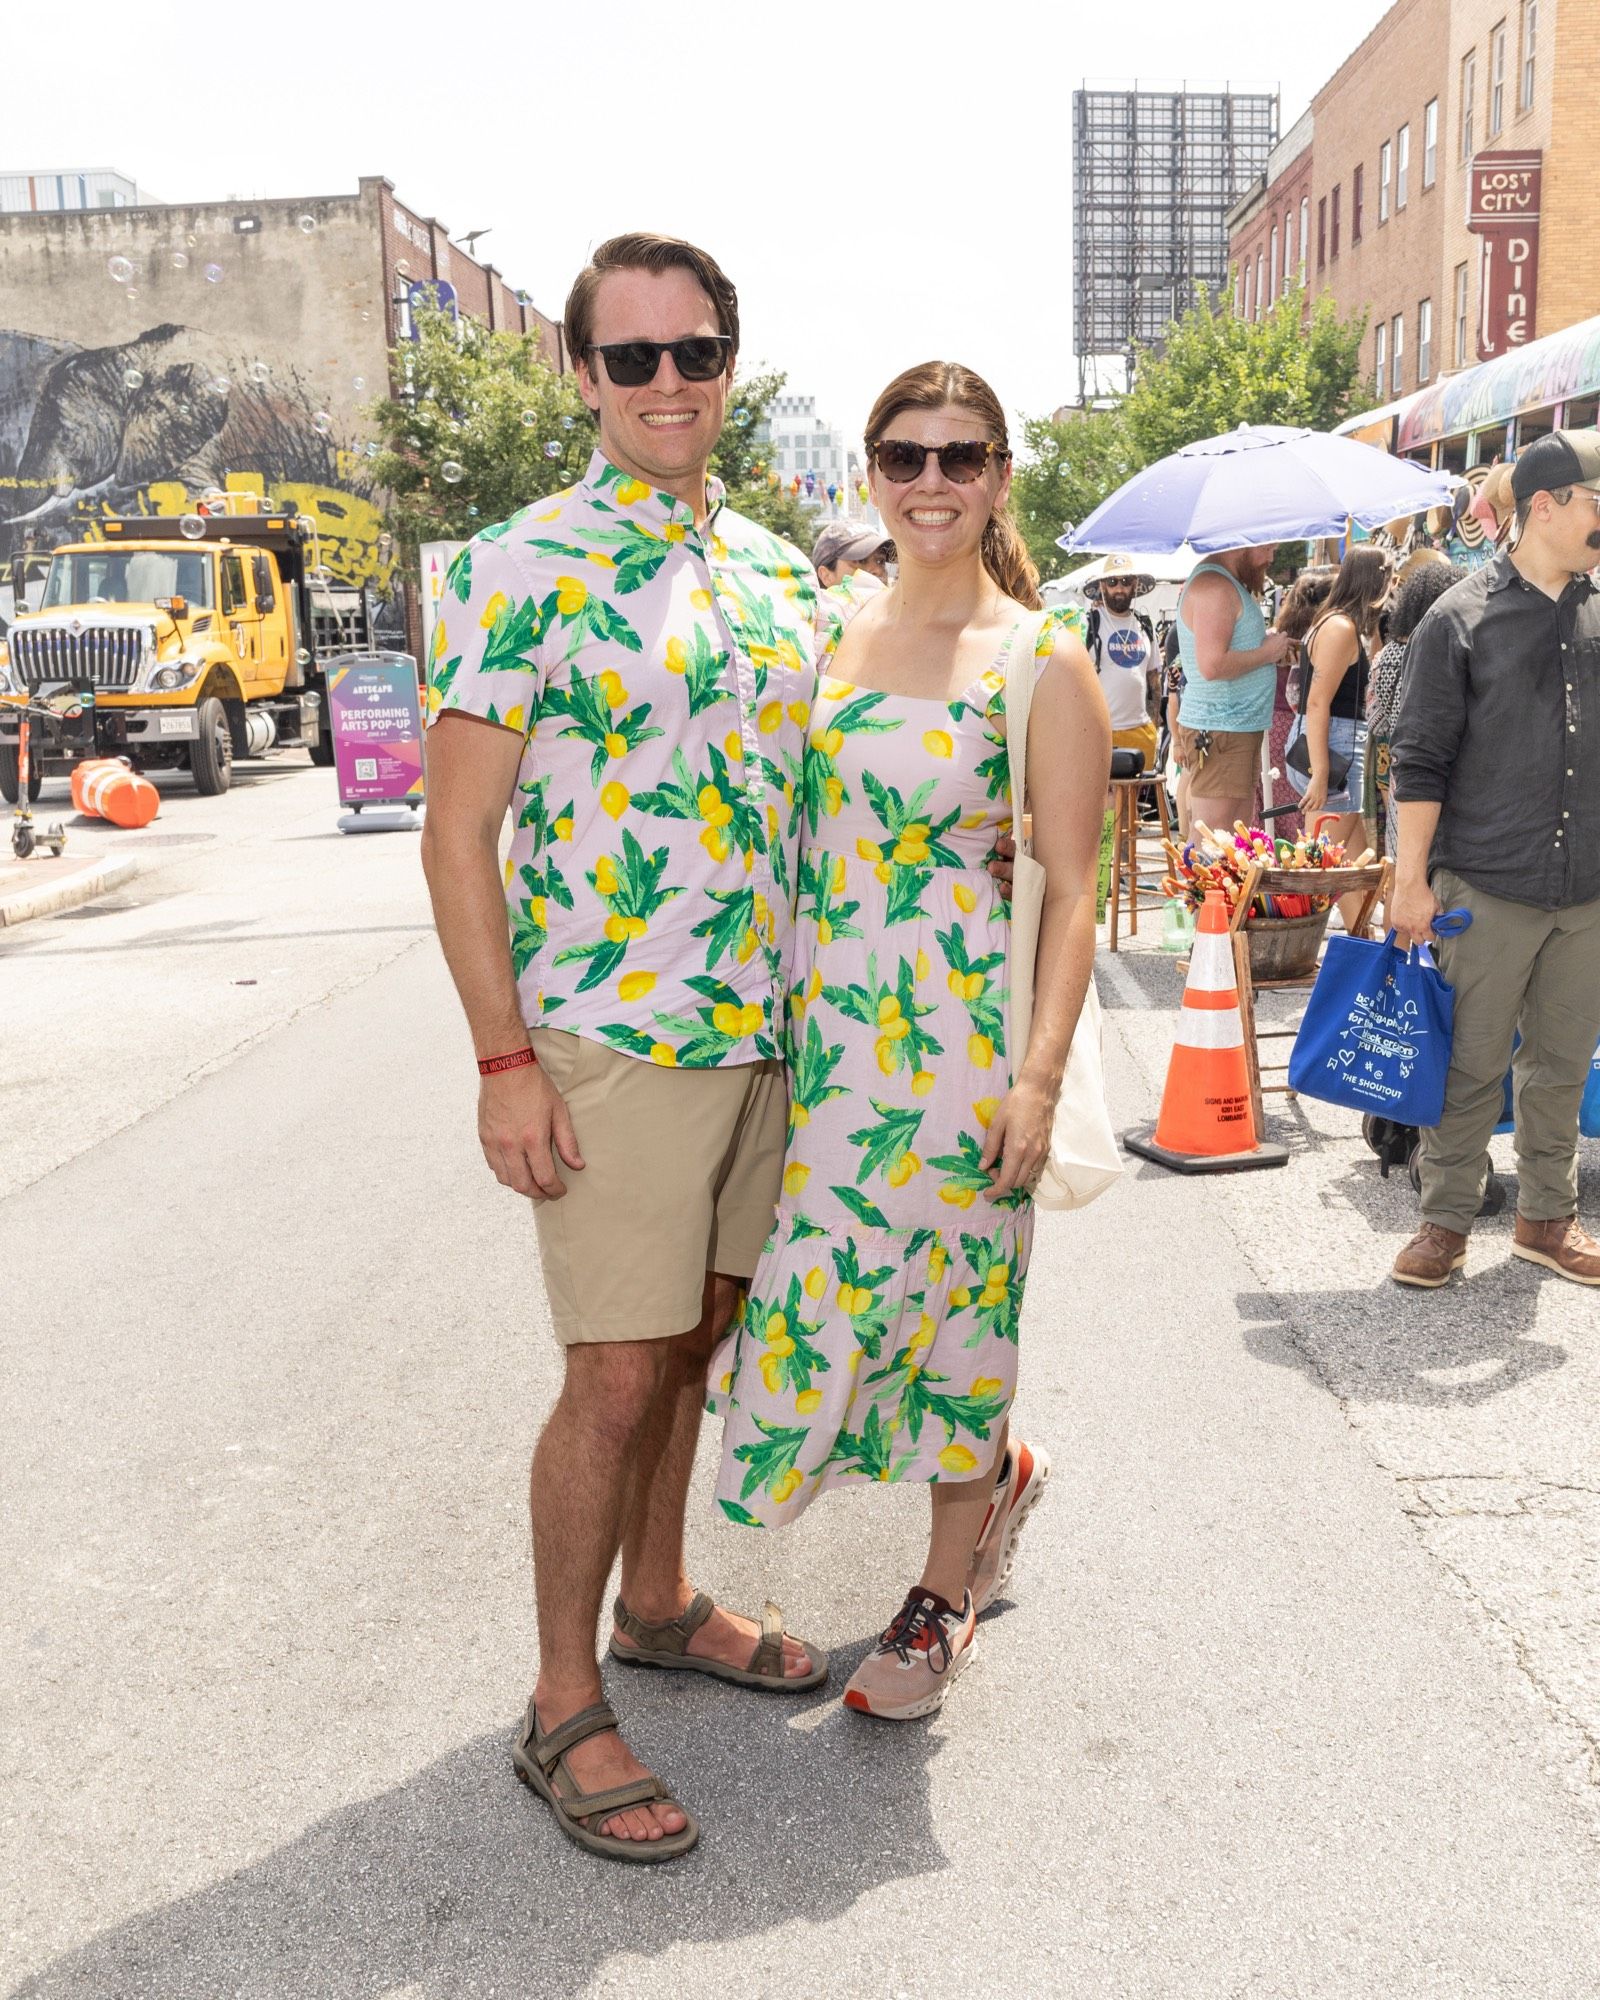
(1385, 151)
(1288, 248)
(1469, 90)
(1530, 30)
(1322, 231)
(1305, 234)
(1358, 204)
(1397, 334)
(1333, 246)
(1261, 282)
(1383, 359)
(1430, 143)
(1497, 80)
(1249, 287)
(1238, 296)
(1272, 269)
(1461, 316)
(1424, 343)
(1402, 166)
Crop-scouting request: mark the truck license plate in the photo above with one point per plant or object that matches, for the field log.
(177, 725)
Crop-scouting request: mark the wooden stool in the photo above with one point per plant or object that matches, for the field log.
(1371, 880)
(1125, 848)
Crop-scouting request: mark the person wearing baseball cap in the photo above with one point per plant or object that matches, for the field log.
(1496, 774)
(846, 548)
(1122, 644)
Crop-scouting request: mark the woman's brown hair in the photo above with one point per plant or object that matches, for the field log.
(932, 385)
(644, 252)
(1303, 599)
(1357, 591)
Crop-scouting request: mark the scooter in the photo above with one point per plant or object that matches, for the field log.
(24, 836)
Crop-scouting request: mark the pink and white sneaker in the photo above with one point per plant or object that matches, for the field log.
(1015, 1497)
(914, 1665)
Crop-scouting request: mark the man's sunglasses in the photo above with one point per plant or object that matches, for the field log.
(900, 460)
(632, 363)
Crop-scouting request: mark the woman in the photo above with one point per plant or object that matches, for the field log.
(879, 1338)
(1332, 718)
(1297, 614)
(1424, 581)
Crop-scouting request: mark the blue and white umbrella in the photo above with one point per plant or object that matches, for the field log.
(1260, 483)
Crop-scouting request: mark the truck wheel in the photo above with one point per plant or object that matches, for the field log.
(11, 774)
(211, 757)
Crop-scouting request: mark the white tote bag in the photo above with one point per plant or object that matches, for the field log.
(1083, 1158)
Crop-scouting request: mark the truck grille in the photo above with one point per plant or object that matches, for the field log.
(108, 656)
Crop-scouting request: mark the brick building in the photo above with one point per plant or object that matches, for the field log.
(1387, 164)
(1268, 233)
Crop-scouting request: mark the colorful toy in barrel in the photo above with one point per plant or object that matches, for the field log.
(1224, 861)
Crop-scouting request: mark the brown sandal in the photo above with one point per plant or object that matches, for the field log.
(668, 1646)
(540, 1760)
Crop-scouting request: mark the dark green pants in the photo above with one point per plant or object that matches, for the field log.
(1516, 967)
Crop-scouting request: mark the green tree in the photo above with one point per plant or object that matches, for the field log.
(1066, 470)
(1215, 372)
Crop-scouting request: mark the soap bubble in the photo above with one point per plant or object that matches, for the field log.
(529, 419)
(132, 378)
(568, 423)
(192, 528)
(359, 384)
(552, 449)
(190, 241)
(132, 295)
(450, 472)
(741, 416)
(1064, 472)
(372, 451)
(219, 385)
(472, 513)
(120, 268)
(180, 260)
(258, 371)
(307, 224)
(322, 423)
(213, 274)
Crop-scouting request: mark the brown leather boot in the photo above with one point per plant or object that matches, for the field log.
(1429, 1258)
(1561, 1245)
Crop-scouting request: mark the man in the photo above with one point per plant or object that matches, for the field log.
(1230, 663)
(632, 662)
(1496, 773)
(846, 550)
(1122, 644)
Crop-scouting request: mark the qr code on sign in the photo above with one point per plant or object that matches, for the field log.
(366, 770)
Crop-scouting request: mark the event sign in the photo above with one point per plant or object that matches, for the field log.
(375, 706)
(1503, 213)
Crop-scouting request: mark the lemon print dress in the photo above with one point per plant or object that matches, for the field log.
(878, 1340)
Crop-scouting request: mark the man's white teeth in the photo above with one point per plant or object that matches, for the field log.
(663, 419)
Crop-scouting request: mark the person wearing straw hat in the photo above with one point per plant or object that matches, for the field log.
(1122, 644)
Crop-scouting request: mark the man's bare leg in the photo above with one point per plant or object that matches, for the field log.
(577, 1497)
(1216, 810)
(655, 1581)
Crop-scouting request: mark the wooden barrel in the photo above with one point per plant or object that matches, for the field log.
(1285, 947)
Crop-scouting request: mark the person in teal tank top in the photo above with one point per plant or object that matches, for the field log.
(1230, 666)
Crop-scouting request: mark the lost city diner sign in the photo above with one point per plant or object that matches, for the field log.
(1503, 213)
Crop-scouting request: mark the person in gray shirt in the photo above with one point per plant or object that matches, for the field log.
(1496, 773)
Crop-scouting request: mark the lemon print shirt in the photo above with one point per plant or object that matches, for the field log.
(660, 675)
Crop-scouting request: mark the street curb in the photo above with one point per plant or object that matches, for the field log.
(51, 897)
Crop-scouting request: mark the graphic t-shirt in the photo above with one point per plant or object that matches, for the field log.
(1124, 663)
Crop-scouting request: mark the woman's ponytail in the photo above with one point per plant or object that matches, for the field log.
(1006, 558)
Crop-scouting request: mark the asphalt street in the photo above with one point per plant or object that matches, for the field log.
(1294, 1695)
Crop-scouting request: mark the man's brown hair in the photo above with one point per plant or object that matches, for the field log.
(641, 251)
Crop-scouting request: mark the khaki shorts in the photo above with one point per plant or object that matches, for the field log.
(1228, 769)
(682, 1174)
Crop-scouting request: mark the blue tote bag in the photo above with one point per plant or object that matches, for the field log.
(1376, 1033)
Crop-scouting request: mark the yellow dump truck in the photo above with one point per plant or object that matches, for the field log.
(194, 640)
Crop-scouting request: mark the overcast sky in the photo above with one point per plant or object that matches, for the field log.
(884, 182)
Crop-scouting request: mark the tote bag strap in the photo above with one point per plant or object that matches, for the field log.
(1021, 670)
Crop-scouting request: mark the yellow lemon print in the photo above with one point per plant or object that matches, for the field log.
(807, 1401)
(984, 1110)
(816, 1282)
(955, 1458)
(868, 850)
(508, 871)
(605, 876)
(611, 687)
(769, 718)
(635, 985)
(777, 1326)
(664, 1055)
(923, 967)
(614, 799)
(795, 1176)
(700, 599)
(958, 1197)
(572, 594)
(937, 743)
(676, 657)
(938, 1257)
(980, 1051)
(922, 1082)
(563, 828)
(833, 799)
(799, 714)
(960, 1297)
(630, 492)
(985, 1386)
(732, 748)
(965, 899)
(492, 611)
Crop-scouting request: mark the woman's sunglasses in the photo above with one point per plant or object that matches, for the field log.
(632, 363)
(900, 460)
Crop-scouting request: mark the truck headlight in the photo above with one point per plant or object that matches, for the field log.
(165, 679)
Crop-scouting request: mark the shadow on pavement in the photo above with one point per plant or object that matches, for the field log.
(1456, 1347)
(458, 1880)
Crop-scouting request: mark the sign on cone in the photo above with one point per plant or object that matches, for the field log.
(1205, 1124)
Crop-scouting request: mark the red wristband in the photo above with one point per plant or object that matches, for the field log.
(518, 1059)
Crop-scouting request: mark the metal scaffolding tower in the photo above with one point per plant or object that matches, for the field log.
(1155, 173)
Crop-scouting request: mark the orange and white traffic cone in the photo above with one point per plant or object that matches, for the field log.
(1205, 1126)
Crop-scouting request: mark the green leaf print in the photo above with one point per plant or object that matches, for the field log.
(771, 1461)
(906, 889)
(972, 981)
(704, 671)
(458, 581)
(862, 1209)
(823, 880)
(740, 1515)
(885, 1144)
(511, 635)
(730, 929)
(620, 1036)
(860, 1295)
(997, 1306)
(629, 885)
(869, 1451)
(811, 1067)
(792, 1356)
(822, 790)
